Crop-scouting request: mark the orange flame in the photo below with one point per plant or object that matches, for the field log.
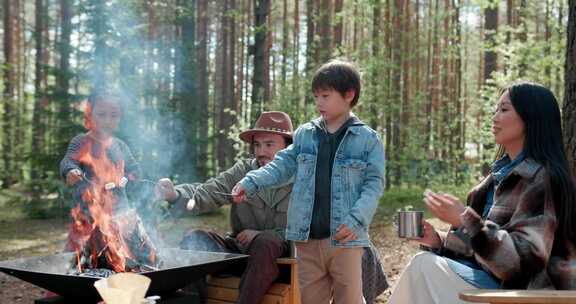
(100, 228)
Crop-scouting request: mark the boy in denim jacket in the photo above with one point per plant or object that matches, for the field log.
(337, 163)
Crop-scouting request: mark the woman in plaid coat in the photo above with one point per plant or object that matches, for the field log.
(518, 229)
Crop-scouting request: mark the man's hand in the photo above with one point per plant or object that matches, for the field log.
(246, 236)
(344, 234)
(73, 176)
(165, 190)
(238, 193)
(431, 238)
(445, 207)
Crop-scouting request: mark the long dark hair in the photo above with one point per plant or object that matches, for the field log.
(539, 110)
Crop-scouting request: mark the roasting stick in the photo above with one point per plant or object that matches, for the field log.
(148, 181)
(222, 193)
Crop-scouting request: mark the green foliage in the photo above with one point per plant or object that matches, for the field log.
(41, 199)
(400, 198)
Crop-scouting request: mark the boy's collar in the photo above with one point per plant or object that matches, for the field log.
(356, 121)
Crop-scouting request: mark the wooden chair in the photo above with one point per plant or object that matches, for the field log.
(499, 296)
(224, 290)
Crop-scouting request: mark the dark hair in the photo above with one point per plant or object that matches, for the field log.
(104, 95)
(339, 75)
(539, 110)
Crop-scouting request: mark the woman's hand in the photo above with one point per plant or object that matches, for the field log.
(431, 238)
(445, 207)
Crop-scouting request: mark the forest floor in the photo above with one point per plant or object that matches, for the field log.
(21, 237)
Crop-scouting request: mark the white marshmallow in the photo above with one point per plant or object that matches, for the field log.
(191, 203)
(123, 182)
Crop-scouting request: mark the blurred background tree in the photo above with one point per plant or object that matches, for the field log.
(195, 73)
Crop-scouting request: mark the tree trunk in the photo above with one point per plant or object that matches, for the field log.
(396, 88)
(338, 23)
(406, 96)
(64, 74)
(229, 80)
(386, 91)
(268, 69)
(39, 97)
(202, 79)
(310, 51)
(356, 24)
(186, 92)
(220, 85)
(547, 48)
(9, 76)
(376, 29)
(259, 77)
(285, 49)
(296, 56)
(569, 108)
(490, 30)
(325, 31)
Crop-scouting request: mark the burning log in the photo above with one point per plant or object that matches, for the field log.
(136, 252)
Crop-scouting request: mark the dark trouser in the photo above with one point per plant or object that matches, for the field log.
(261, 270)
(373, 277)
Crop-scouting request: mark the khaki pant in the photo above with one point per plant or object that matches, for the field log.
(325, 272)
(428, 279)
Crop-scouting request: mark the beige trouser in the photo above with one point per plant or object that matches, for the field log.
(326, 272)
(428, 279)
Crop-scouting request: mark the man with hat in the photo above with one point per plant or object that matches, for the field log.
(257, 226)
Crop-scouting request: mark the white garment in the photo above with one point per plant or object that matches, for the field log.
(428, 279)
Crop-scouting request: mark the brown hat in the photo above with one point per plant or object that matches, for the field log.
(270, 122)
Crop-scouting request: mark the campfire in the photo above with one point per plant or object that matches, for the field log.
(106, 234)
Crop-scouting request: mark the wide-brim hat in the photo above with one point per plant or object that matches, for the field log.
(270, 122)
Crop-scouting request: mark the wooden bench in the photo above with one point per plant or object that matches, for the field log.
(224, 290)
(499, 296)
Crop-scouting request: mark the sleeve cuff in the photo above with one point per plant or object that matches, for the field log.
(249, 186)
(179, 200)
(353, 224)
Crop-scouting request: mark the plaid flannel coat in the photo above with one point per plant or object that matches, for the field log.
(515, 242)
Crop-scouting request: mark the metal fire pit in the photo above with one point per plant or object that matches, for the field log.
(178, 269)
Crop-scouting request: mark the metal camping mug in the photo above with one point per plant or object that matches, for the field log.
(409, 224)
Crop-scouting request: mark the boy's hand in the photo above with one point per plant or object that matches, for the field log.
(73, 176)
(165, 190)
(344, 234)
(238, 193)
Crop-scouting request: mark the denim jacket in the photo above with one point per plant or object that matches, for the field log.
(357, 181)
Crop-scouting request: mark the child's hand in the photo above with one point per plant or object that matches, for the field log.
(344, 234)
(73, 176)
(165, 190)
(238, 193)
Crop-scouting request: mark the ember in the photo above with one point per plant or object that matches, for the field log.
(96, 272)
(105, 233)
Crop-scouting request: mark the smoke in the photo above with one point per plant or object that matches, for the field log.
(134, 54)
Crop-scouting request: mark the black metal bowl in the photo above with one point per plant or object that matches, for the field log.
(178, 268)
